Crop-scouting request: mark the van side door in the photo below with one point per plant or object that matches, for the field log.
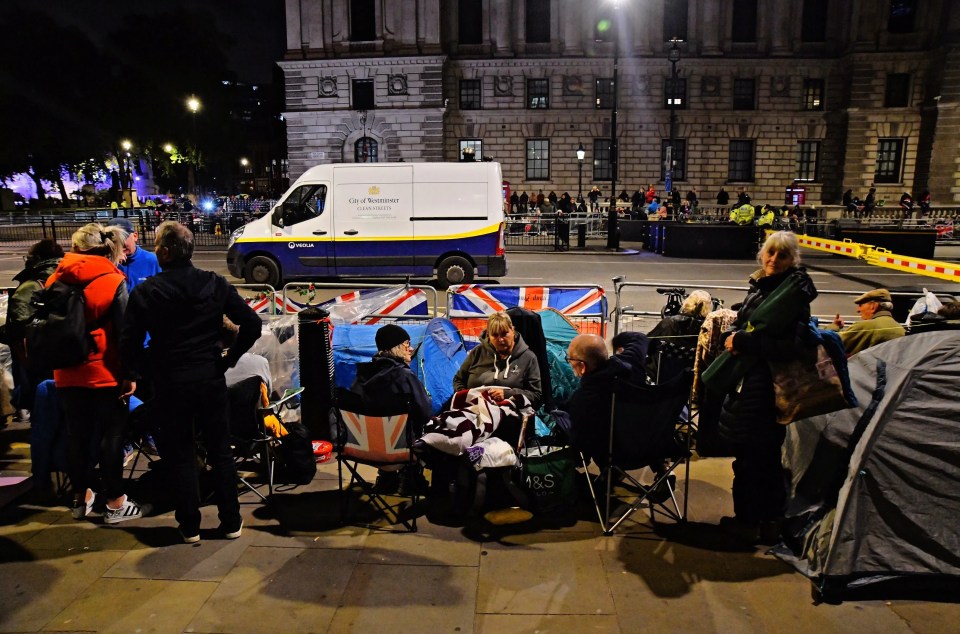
(302, 231)
(374, 232)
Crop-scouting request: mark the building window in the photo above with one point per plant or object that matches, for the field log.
(538, 93)
(740, 161)
(813, 27)
(813, 94)
(601, 160)
(679, 159)
(808, 161)
(470, 22)
(897, 94)
(538, 21)
(902, 15)
(744, 91)
(363, 94)
(675, 19)
(538, 159)
(604, 94)
(889, 161)
(475, 144)
(675, 94)
(744, 21)
(366, 150)
(363, 20)
(470, 94)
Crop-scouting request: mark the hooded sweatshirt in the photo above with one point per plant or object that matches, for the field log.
(105, 298)
(519, 372)
(138, 266)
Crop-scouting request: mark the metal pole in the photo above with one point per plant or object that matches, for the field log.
(613, 238)
(580, 181)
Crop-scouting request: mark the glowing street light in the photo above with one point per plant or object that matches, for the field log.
(244, 162)
(168, 148)
(193, 105)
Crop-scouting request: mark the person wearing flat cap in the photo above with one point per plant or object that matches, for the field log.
(876, 323)
(138, 264)
(389, 373)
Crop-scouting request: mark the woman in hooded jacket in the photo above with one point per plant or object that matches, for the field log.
(503, 361)
(748, 418)
(94, 394)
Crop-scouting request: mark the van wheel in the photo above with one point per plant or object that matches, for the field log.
(454, 270)
(262, 270)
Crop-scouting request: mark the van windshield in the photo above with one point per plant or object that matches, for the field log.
(304, 203)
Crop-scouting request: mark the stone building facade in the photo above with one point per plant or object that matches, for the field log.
(835, 94)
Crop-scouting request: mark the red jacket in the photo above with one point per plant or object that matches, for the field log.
(106, 299)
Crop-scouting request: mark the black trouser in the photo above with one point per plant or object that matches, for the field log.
(92, 413)
(759, 486)
(179, 410)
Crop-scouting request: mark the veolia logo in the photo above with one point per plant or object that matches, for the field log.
(298, 245)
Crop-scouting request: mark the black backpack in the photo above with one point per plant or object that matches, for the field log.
(57, 336)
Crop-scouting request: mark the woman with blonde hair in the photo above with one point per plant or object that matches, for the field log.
(502, 360)
(94, 394)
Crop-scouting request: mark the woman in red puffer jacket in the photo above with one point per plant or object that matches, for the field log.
(95, 393)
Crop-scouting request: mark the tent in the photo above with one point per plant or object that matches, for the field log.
(876, 488)
(559, 332)
(439, 353)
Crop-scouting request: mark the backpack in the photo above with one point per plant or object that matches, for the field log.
(299, 465)
(57, 336)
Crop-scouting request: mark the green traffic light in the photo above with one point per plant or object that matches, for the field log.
(603, 25)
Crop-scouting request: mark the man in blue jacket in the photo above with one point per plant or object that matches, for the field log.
(138, 264)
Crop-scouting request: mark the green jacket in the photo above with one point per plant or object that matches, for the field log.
(867, 333)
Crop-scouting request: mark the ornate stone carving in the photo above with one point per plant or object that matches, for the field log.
(573, 85)
(397, 85)
(642, 86)
(328, 87)
(503, 86)
(710, 85)
(780, 86)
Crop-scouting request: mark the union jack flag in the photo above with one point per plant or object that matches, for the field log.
(381, 439)
(470, 304)
(945, 230)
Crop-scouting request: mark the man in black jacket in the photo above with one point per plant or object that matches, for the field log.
(589, 406)
(182, 309)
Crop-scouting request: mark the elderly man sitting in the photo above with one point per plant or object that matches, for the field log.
(876, 326)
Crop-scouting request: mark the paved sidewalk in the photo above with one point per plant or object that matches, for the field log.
(296, 570)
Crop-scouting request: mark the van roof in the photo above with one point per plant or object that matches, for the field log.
(325, 170)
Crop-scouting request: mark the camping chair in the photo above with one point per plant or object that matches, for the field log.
(378, 435)
(248, 435)
(643, 431)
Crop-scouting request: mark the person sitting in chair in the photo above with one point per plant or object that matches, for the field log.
(389, 374)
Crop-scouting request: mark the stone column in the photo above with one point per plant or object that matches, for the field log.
(711, 25)
(501, 18)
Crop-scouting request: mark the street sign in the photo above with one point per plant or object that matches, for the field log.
(668, 181)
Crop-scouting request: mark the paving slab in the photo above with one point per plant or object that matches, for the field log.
(548, 624)
(278, 589)
(36, 585)
(430, 545)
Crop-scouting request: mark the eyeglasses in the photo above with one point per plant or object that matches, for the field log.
(569, 359)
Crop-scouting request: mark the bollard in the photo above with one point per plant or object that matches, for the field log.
(581, 236)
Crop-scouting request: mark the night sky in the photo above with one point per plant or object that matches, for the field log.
(257, 26)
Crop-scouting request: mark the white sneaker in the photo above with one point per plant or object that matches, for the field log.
(81, 509)
(129, 510)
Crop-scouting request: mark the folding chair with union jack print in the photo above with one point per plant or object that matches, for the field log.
(378, 435)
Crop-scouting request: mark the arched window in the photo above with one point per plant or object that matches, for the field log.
(366, 150)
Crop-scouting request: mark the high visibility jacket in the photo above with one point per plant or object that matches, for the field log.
(765, 219)
(742, 215)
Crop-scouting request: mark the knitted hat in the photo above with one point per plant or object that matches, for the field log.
(390, 336)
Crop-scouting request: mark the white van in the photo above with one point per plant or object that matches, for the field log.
(377, 220)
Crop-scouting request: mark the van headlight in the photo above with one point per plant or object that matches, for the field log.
(236, 234)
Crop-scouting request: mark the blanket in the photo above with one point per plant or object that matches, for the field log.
(468, 426)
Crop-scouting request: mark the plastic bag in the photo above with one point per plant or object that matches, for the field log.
(928, 303)
(372, 303)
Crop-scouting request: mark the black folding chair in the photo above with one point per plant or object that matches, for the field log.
(378, 435)
(644, 429)
(249, 437)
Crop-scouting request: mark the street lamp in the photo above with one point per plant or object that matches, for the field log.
(613, 237)
(193, 105)
(674, 101)
(126, 171)
(581, 154)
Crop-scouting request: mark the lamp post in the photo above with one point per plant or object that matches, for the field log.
(674, 101)
(613, 231)
(581, 154)
(244, 163)
(126, 180)
(193, 105)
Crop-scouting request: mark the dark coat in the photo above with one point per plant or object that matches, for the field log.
(384, 376)
(749, 414)
(589, 406)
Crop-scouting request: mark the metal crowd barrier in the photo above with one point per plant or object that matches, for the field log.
(262, 298)
(308, 291)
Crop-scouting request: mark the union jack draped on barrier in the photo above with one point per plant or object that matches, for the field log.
(382, 302)
(271, 304)
(945, 230)
(469, 304)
